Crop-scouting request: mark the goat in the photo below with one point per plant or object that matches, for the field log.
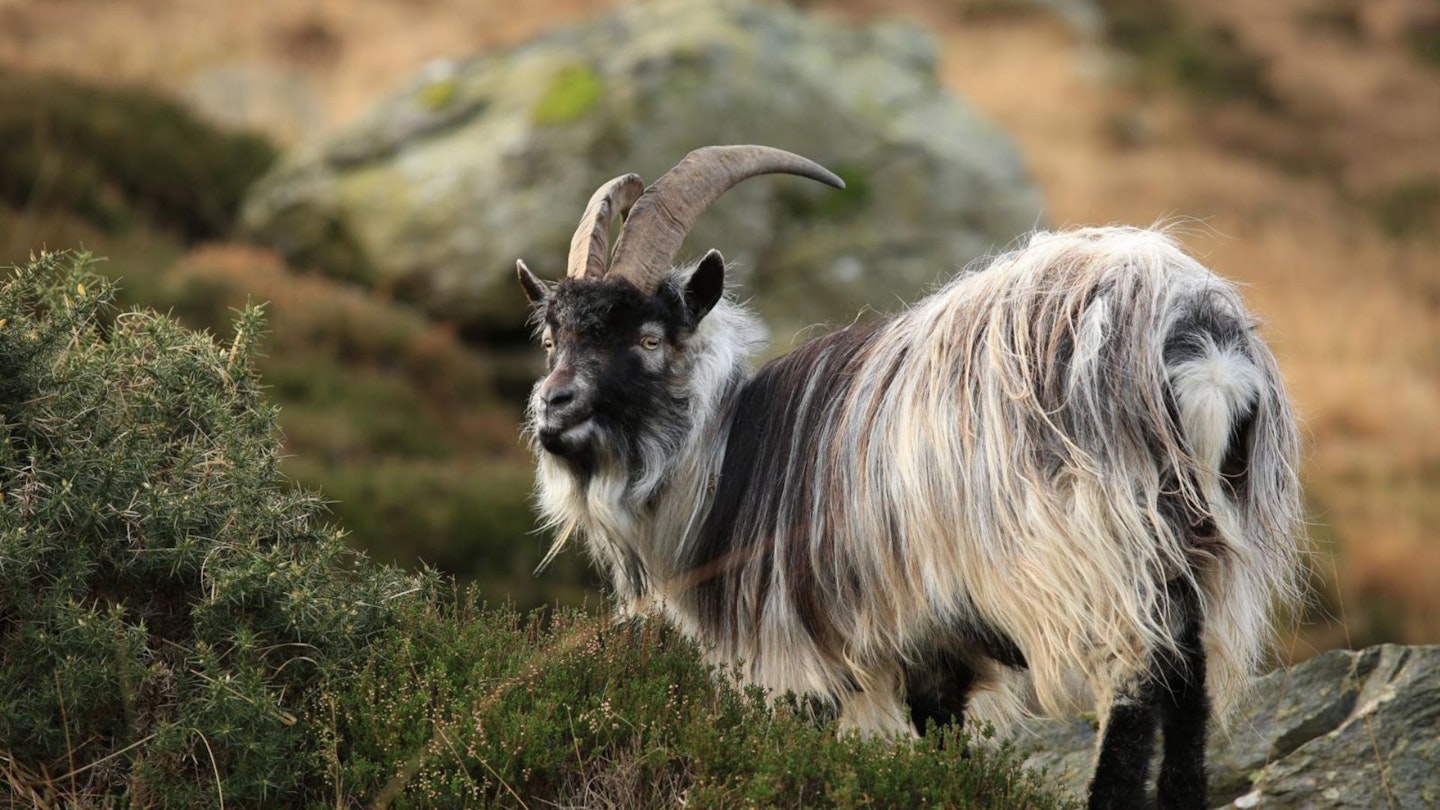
(1078, 463)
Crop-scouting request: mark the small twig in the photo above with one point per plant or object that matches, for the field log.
(575, 743)
(219, 786)
(503, 783)
(335, 756)
(65, 726)
(107, 757)
(1350, 645)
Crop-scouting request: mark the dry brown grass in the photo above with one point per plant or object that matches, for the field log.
(1354, 314)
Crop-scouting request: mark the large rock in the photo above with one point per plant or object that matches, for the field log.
(1343, 730)
(437, 192)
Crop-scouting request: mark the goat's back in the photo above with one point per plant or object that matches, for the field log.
(1031, 452)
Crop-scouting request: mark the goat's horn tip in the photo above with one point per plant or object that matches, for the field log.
(827, 177)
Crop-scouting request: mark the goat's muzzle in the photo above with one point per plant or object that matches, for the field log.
(565, 425)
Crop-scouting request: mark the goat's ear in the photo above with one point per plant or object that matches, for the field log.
(534, 287)
(706, 285)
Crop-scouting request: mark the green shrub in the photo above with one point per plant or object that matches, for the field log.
(115, 154)
(161, 586)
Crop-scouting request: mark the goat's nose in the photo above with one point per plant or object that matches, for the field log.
(560, 396)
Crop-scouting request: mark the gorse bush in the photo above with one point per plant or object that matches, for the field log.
(160, 583)
(180, 627)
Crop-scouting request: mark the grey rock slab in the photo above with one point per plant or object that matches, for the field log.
(1342, 730)
(1385, 751)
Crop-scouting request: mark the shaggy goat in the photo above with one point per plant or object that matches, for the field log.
(1078, 463)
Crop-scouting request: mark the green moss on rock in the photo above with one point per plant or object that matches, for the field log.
(573, 91)
(437, 95)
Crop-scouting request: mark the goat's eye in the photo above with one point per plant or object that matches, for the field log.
(650, 343)
(549, 344)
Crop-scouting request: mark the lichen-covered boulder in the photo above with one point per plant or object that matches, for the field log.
(1343, 730)
(437, 192)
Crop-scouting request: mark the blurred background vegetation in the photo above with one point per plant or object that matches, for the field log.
(1300, 134)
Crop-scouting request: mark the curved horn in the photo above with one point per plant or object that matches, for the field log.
(590, 246)
(670, 207)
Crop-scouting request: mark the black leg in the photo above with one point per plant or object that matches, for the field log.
(1172, 693)
(1184, 711)
(1123, 767)
(939, 692)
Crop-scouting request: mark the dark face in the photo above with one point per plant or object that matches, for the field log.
(609, 350)
(612, 355)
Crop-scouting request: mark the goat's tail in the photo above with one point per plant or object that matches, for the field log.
(1243, 456)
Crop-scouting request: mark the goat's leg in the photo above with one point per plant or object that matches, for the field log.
(1171, 694)
(1184, 708)
(1126, 747)
(939, 692)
